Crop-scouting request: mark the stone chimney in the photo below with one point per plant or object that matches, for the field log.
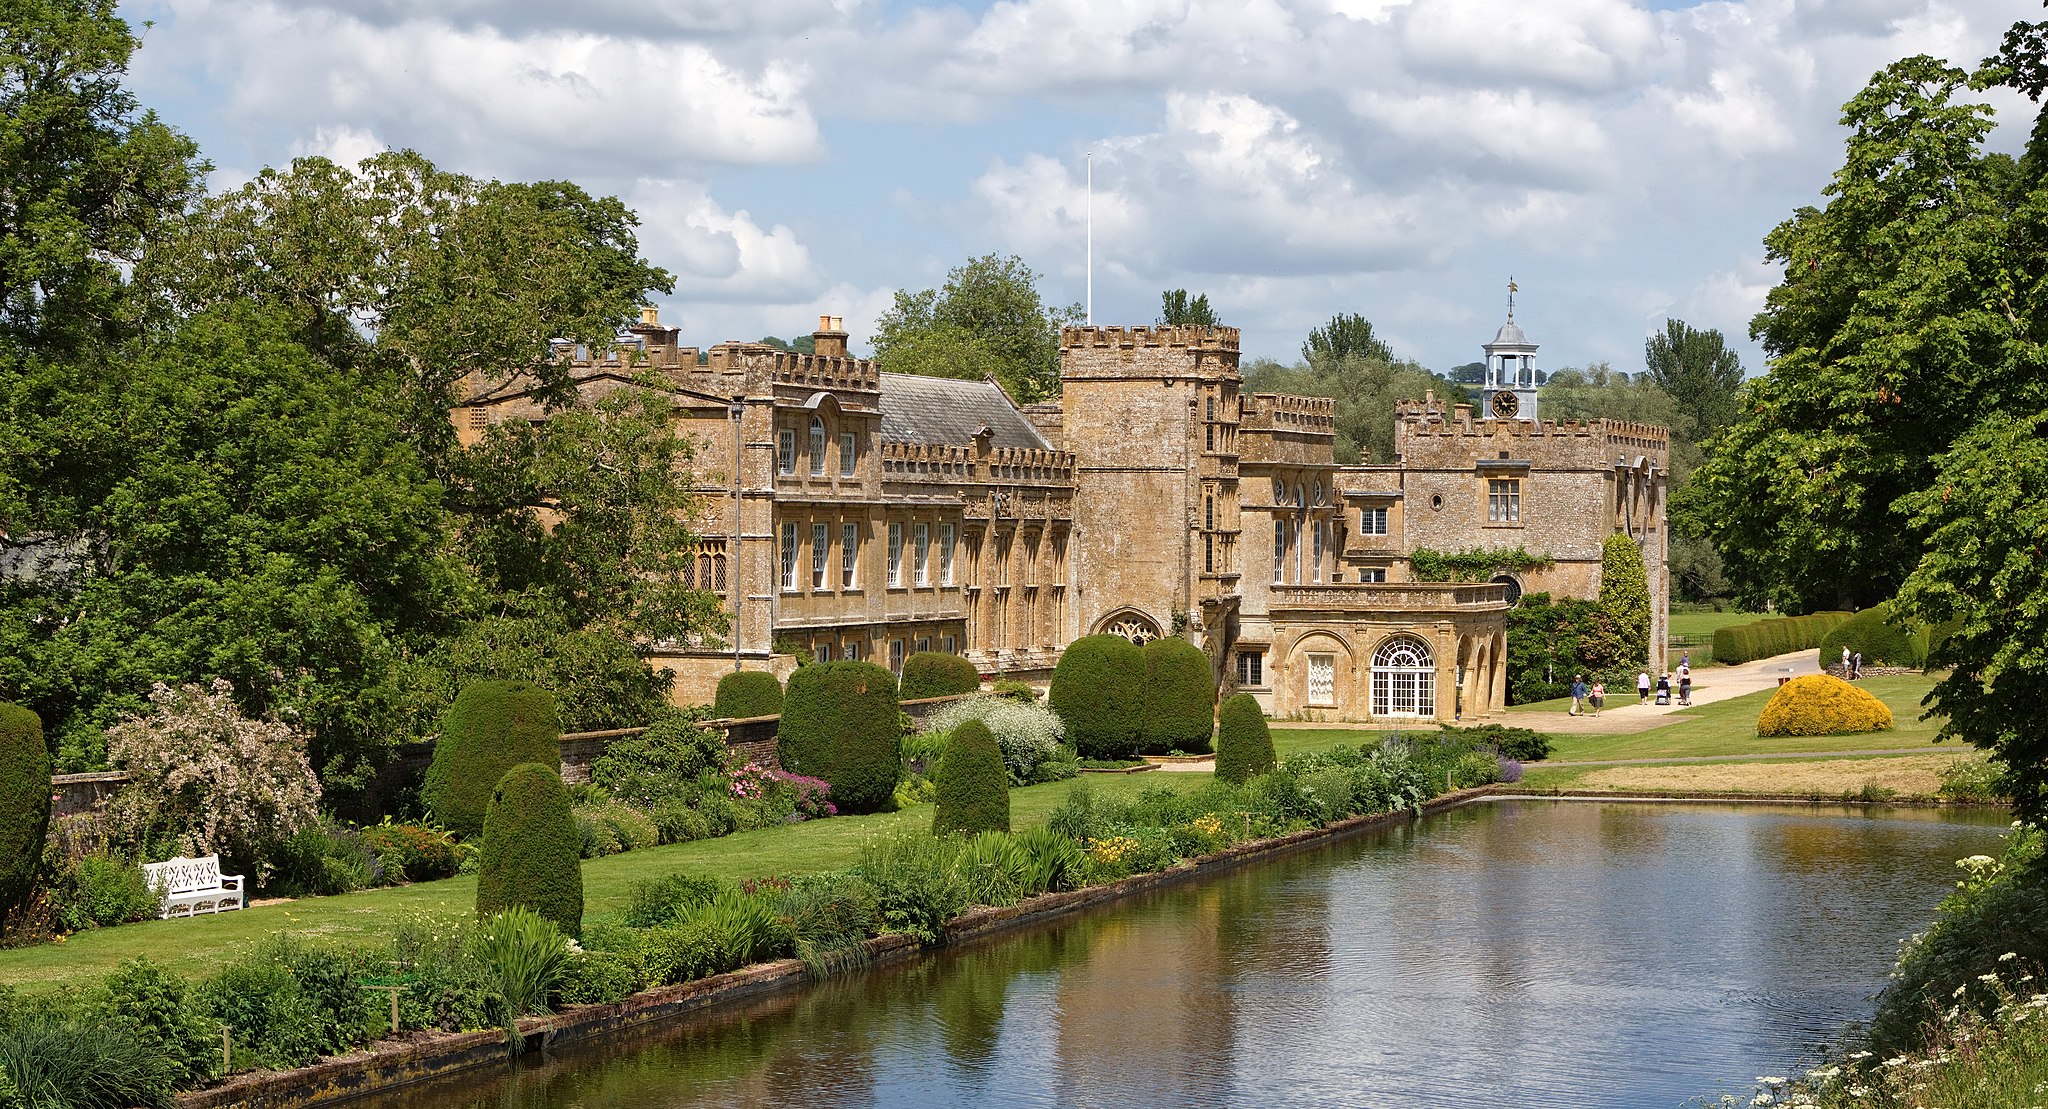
(829, 341)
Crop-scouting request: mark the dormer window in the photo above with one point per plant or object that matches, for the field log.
(817, 446)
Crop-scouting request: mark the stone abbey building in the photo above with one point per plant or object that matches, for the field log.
(848, 513)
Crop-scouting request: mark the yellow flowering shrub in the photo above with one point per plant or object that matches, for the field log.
(1821, 704)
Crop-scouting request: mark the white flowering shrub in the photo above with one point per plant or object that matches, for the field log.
(203, 779)
(1029, 735)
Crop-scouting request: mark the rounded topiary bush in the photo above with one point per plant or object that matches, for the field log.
(532, 852)
(491, 728)
(1822, 704)
(1244, 745)
(1098, 691)
(840, 723)
(745, 693)
(1180, 698)
(937, 674)
(974, 787)
(24, 804)
(1883, 639)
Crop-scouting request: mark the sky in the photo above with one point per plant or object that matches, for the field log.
(1621, 160)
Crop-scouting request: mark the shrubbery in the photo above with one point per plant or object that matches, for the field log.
(1880, 635)
(937, 674)
(1180, 698)
(1625, 598)
(491, 728)
(1821, 704)
(100, 890)
(1775, 636)
(674, 759)
(1098, 692)
(1520, 744)
(974, 786)
(24, 805)
(531, 850)
(1244, 745)
(840, 723)
(1031, 736)
(746, 693)
(203, 779)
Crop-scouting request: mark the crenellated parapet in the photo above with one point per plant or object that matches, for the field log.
(1286, 412)
(1192, 338)
(1004, 465)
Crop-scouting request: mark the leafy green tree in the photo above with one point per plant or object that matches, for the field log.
(1887, 307)
(86, 176)
(1348, 335)
(802, 344)
(986, 320)
(1471, 373)
(1700, 374)
(1176, 309)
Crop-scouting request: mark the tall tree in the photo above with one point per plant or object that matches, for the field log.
(85, 175)
(1347, 335)
(1365, 390)
(987, 319)
(1886, 337)
(1699, 372)
(1177, 310)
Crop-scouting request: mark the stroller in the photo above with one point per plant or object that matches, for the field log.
(1664, 690)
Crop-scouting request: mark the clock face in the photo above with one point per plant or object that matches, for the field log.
(1506, 404)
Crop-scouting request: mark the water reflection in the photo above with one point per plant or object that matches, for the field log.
(1507, 954)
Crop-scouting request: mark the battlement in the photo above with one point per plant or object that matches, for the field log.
(912, 461)
(1286, 412)
(1427, 417)
(1192, 338)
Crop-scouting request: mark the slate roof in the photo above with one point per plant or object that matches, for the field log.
(938, 410)
(1510, 334)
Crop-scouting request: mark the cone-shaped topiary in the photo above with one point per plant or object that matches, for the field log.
(974, 787)
(747, 693)
(1180, 697)
(1822, 704)
(1098, 691)
(1244, 745)
(24, 804)
(840, 723)
(532, 852)
(937, 674)
(491, 728)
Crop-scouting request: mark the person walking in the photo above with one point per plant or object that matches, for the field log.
(1598, 695)
(1845, 660)
(1642, 687)
(1856, 666)
(1578, 693)
(1684, 684)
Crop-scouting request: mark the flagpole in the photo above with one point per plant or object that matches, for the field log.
(1090, 309)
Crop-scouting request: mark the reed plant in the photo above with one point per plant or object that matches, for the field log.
(525, 955)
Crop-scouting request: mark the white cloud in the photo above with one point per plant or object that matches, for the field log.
(1580, 44)
(718, 255)
(343, 145)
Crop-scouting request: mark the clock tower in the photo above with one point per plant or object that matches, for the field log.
(1510, 371)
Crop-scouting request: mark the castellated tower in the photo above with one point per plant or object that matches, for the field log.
(1151, 415)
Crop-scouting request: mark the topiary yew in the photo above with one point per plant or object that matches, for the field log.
(937, 674)
(1877, 633)
(1180, 697)
(1822, 704)
(974, 786)
(532, 850)
(24, 804)
(491, 728)
(1244, 745)
(1098, 692)
(840, 723)
(746, 693)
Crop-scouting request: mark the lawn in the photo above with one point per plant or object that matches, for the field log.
(197, 946)
(1703, 625)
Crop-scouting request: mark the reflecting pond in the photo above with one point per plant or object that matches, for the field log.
(1511, 953)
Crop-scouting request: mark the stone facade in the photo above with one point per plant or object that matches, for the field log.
(849, 513)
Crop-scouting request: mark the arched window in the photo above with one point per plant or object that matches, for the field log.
(1403, 678)
(817, 445)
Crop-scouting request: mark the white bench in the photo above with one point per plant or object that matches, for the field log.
(191, 886)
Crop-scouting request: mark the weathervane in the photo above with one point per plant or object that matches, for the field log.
(1511, 298)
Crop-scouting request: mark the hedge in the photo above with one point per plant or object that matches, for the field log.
(1098, 692)
(745, 693)
(1822, 704)
(1883, 640)
(532, 850)
(840, 722)
(974, 786)
(1244, 745)
(1778, 635)
(1625, 597)
(491, 728)
(937, 674)
(1180, 698)
(24, 804)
